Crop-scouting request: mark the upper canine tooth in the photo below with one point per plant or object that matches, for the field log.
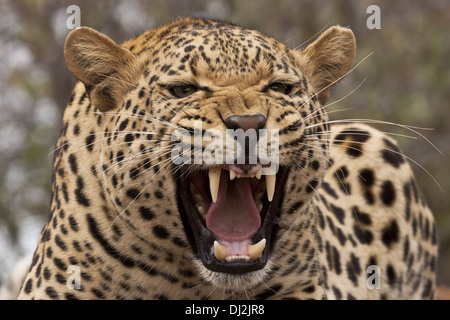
(214, 180)
(232, 175)
(255, 250)
(270, 186)
(220, 252)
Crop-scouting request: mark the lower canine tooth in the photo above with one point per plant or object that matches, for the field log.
(201, 209)
(259, 205)
(220, 252)
(255, 250)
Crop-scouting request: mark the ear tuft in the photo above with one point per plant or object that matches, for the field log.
(328, 59)
(103, 66)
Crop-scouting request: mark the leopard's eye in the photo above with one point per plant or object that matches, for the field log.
(183, 91)
(280, 87)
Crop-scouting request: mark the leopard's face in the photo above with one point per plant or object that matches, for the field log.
(218, 147)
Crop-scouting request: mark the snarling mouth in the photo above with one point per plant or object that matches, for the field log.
(231, 214)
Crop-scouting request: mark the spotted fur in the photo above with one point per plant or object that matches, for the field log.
(350, 198)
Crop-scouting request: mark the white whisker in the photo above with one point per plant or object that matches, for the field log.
(393, 151)
(373, 121)
(334, 102)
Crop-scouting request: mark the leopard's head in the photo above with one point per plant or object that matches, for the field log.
(215, 136)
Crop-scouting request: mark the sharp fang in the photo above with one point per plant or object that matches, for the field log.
(214, 180)
(201, 209)
(232, 175)
(258, 174)
(255, 250)
(270, 186)
(220, 252)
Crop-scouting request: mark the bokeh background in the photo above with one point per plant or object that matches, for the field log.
(405, 79)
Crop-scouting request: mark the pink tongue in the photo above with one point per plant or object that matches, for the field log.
(234, 217)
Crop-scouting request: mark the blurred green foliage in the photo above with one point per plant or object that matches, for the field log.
(406, 80)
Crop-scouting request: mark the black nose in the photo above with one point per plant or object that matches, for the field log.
(257, 121)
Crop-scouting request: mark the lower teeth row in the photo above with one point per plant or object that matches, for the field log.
(241, 257)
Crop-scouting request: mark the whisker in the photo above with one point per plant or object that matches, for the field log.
(132, 159)
(344, 188)
(336, 81)
(330, 112)
(109, 76)
(151, 159)
(142, 117)
(141, 142)
(138, 195)
(343, 76)
(404, 126)
(396, 152)
(334, 102)
(315, 35)
(128, 159)
(117, 133)
(362, 134)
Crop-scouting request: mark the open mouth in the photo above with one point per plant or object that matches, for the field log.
(231, 214)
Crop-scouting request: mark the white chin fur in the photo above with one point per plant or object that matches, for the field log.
(235, 282)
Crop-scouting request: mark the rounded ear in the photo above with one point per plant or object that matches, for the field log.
(105, 68)
(328, 59)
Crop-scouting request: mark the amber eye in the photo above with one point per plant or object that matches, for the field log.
(280, 87)
(183, 91)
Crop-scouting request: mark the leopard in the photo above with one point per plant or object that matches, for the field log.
(142, 208)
